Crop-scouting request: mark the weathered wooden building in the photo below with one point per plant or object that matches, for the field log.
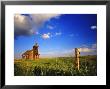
(31, 54)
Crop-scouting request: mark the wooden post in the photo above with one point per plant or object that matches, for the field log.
(77, 54)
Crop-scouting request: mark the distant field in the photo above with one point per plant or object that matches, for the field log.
(61, 66)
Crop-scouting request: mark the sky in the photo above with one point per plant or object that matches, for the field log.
(56, 34)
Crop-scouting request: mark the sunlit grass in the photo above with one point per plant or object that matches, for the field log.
(61, 66)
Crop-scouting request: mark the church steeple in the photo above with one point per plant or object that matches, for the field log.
(35, 51)
(36, 45)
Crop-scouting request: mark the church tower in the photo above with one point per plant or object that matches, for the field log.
(35, 52)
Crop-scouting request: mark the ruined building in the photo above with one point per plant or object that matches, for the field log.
(31, 54)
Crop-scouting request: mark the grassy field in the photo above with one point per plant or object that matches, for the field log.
(61, 66)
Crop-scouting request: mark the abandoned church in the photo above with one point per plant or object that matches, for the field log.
(31, 54)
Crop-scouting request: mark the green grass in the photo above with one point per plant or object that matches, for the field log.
(61, 66)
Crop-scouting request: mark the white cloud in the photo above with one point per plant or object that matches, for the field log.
(22, 25)
(37, 33)
(85, 50)
(48, 33)
(58, 33)
(50, 27)
(84, 46)
(27, 25)
(39, 19)
(46, 36)
(93, 27)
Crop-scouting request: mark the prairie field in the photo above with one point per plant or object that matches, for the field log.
(59, 66)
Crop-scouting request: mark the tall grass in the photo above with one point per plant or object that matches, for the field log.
(61, 66)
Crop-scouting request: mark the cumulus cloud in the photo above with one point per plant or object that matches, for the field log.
(93, 27)
(39, 19)
(49, 35)
(46, 36)
(22, 25)
(27, 25)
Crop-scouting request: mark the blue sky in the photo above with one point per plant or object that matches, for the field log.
(56, 34)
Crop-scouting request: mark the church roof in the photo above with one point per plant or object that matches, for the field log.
(27, 52)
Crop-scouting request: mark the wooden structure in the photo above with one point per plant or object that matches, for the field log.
(31, 54)
(77, 55)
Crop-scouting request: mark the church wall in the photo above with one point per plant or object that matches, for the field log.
(31, 55)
